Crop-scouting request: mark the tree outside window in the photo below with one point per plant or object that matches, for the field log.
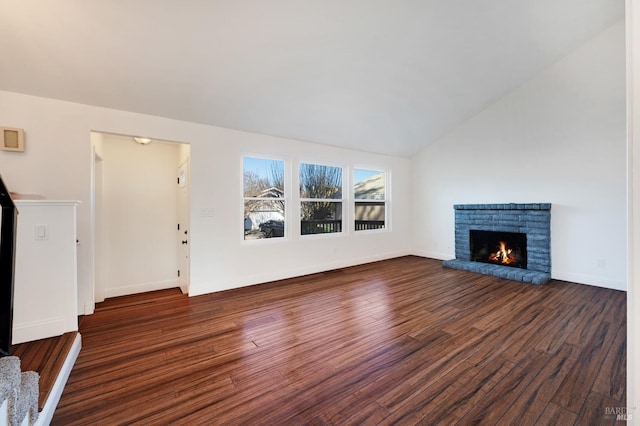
(264, 198)
(320, 199)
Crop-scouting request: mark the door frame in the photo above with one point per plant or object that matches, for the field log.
(97, 276)
(98, 286)
(185, 210)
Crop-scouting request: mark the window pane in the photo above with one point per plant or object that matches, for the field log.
(368, 185)
(318, 217)
(263, 177)
(263, 219)
(370, 215)
(317, 181)
(370, 207)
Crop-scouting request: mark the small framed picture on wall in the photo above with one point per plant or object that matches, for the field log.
(11, 139)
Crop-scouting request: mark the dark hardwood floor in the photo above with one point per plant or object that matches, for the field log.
(402, 341)
(46, 357)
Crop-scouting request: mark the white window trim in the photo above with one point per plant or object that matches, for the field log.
(285, 199)
(345, 229)
(386, 200)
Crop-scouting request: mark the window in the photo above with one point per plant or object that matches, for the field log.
(264, 198)
(320, 199)
(370, 199)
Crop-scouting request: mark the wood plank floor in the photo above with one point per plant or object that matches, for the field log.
(402, 341)
(46, 357)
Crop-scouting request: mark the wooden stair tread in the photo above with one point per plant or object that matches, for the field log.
(46, 357)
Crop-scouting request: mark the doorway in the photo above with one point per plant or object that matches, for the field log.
(135, 211)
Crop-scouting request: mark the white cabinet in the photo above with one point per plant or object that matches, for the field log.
(45, 283)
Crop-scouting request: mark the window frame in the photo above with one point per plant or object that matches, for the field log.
(285, 198)
(385, 199)
(343, 200)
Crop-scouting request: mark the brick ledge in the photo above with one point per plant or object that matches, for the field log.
(508, 206)
(505, 272)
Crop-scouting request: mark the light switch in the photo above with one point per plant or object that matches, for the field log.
(42, 232)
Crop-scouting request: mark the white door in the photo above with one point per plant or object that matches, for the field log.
(183, 226)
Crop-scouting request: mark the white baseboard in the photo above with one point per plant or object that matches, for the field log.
(280, 275)
(89, 308)
(433, 255)
(589, 280)
(28, 332)
(140, 288)
(557, 275)
(45, 416)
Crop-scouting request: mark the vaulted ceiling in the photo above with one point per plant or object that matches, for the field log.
(386, 76)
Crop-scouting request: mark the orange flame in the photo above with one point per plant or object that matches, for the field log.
(503, 255)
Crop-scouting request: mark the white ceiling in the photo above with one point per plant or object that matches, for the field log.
(386, 76)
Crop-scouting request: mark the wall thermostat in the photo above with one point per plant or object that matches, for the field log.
(11, 139)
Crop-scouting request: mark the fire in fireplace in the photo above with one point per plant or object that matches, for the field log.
(499, 248)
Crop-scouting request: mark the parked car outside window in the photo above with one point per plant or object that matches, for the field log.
(272, 228)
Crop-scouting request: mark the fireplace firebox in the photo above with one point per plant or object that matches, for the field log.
(499, 248)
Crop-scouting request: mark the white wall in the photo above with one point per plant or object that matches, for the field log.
(45, 271)
(560, 138)
(237, 262)
(57, 164)
(139, 215)
(633, 191)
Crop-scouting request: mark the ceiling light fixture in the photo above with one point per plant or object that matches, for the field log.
(142, 141)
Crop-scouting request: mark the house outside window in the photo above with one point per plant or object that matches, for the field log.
(320, 199)
(369, 195)
(264, 198)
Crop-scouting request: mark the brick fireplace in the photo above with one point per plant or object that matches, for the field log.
(526, 259)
